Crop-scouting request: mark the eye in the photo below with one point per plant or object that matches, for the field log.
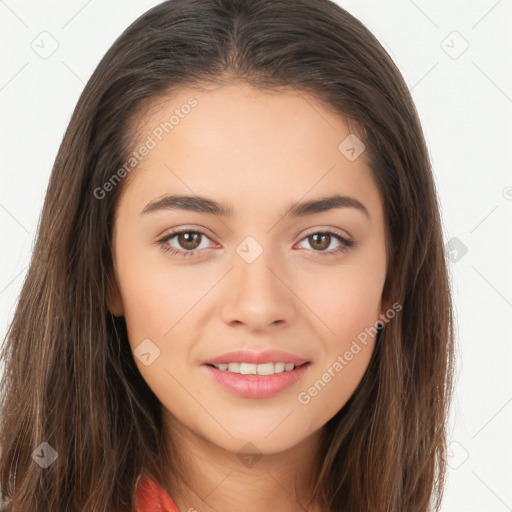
(322, 240)
(186, 238)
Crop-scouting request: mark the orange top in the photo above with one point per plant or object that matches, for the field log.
(151, 497)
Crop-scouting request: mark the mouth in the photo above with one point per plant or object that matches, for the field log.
(256, 369)
(247, 357)
(249, 380)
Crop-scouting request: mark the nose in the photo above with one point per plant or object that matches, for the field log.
(258, 295)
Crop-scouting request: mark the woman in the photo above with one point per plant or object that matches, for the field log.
(238, 297)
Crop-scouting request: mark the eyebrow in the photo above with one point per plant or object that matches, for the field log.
(205, 205)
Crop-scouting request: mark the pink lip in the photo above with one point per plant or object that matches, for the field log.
(257, 386)
(266, 356)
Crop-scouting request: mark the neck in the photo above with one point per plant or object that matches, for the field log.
(206, 477)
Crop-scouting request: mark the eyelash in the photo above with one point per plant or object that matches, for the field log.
(346, 243)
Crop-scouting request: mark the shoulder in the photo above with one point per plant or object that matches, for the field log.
(151, 497)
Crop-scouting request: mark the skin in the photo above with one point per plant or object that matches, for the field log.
(257, 152)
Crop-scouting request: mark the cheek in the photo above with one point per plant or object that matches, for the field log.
(346, 301)
(156, 299)
(332, 386)
(348, 306)
(350, 314)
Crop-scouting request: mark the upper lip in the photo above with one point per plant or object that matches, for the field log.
(265, 356)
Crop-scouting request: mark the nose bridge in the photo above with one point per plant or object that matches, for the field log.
(253, 263)
(257, 292)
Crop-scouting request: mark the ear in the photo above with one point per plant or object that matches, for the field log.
(384, 306)
(114, 301)
(385, 300)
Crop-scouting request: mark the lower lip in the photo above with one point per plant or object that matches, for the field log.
(257, 386)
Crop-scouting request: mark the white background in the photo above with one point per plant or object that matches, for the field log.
(465, 105)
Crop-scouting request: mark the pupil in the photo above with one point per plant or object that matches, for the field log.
(187, 240)
(322, 245)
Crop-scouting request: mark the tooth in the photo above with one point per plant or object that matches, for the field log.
(234, 367)
(248, 368)
(256, 369)
(265, 369)
(278, 367)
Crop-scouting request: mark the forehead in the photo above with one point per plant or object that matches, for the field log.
(248, 146)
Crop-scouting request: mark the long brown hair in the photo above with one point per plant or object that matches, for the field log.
(70, 379)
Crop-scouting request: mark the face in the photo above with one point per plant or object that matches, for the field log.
(252, 278)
